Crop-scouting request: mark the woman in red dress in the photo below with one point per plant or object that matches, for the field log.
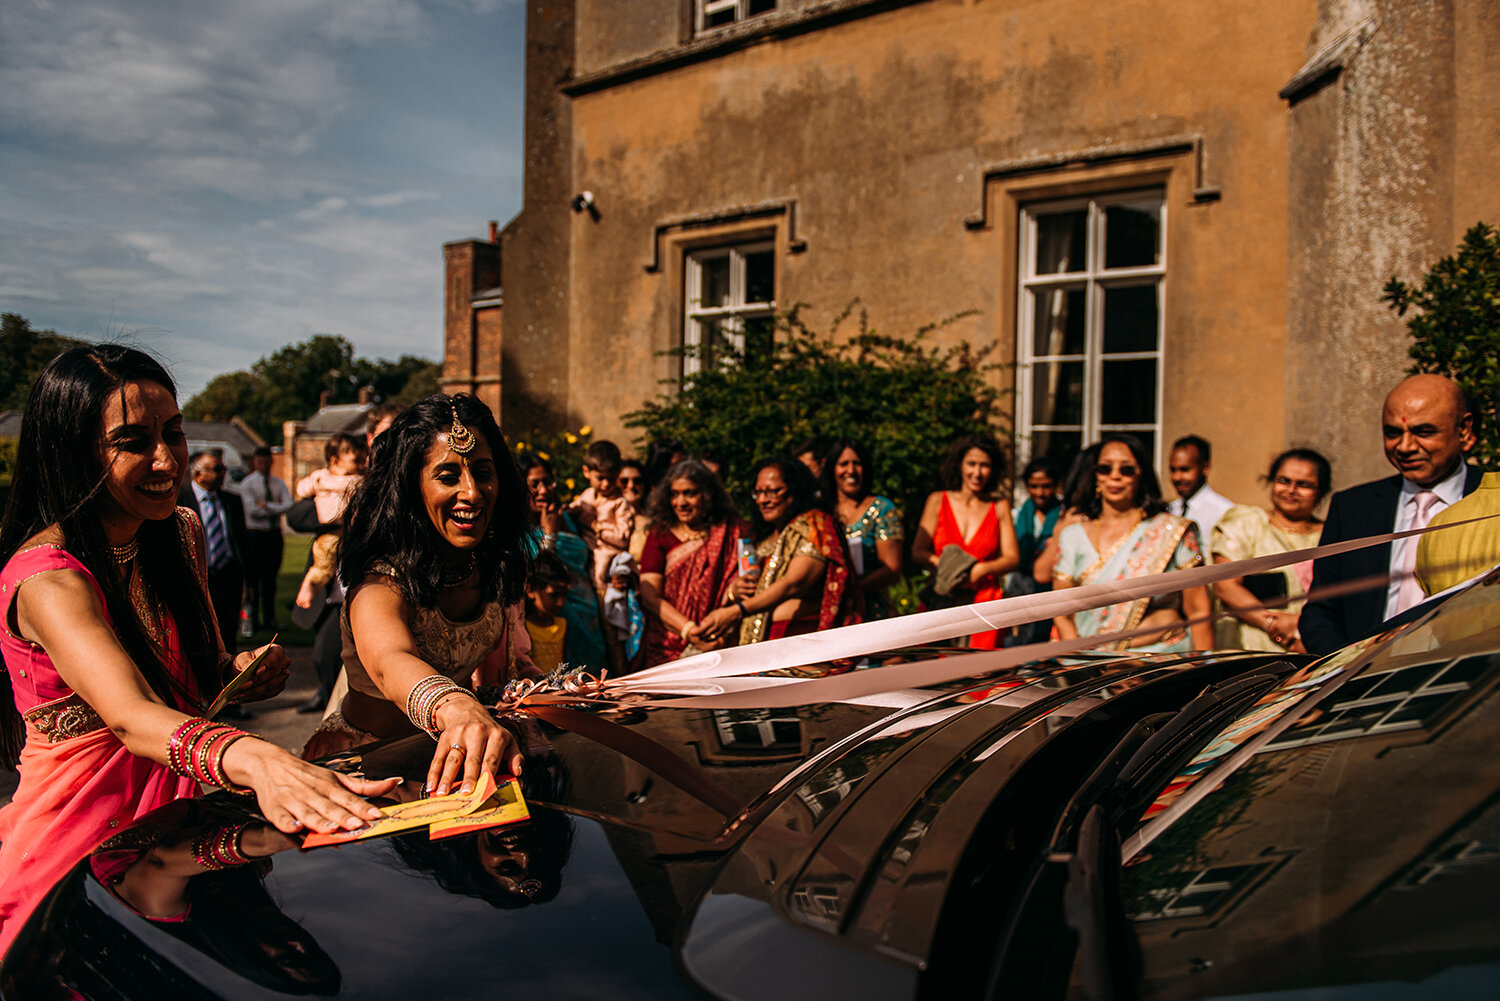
(969, 515)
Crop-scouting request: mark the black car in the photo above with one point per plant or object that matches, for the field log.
(1102, 826)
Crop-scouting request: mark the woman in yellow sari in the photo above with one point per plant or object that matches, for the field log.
(1300, 478)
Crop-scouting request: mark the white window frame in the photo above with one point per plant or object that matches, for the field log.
(704, 9)
(733, 314)
(1095, 279)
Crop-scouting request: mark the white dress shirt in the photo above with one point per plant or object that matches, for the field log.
(262, 515)
(1205, 506)
(1449, 491)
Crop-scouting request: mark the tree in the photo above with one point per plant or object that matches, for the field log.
(23, 354)
(907, 398)
(287, 384)
(1455, 327)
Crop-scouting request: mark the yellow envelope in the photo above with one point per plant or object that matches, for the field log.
(506, 806)
(405, 816)
(237, 682)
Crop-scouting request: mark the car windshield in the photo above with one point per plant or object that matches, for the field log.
(1344, 832)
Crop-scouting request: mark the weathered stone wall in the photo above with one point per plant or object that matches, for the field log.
(535, 245)
(1391, 160)
(880, 130)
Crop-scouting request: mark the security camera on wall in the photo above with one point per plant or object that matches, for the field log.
(584, 202)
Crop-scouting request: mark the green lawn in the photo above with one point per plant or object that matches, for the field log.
(292, 562)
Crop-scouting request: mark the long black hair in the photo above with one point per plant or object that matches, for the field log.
(386, 521)
(829, 480)
(802, 492)
(59, 479)
(1147, 487)
(720, 506)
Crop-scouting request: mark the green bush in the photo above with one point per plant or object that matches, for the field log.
(907, 398)
(1455, 327)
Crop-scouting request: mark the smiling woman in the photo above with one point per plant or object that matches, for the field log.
(434, 560)
(111, 650)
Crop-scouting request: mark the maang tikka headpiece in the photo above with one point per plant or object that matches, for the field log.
(460, 438)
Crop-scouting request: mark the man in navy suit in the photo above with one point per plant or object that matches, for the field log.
(223, 518)
(1427, 427)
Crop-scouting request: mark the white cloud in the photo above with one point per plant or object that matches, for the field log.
(225, 179)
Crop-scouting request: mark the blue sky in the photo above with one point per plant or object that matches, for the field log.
(218, 179)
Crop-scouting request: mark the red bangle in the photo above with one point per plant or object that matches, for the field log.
(196, 751)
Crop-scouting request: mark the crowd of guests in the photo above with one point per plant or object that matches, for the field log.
(445, 570)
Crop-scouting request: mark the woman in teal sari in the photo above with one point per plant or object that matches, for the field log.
(1126, 534)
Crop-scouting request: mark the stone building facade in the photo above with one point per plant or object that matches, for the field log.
(1170, 221)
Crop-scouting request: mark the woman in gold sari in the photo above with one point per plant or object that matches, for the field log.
(801, 580)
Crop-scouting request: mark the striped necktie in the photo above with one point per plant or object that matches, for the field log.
(218, 539)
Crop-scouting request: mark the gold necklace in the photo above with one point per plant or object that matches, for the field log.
(1287, 525)
(124, 554)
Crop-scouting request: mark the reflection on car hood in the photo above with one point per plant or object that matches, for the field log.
(1344, 831)
(604, 883)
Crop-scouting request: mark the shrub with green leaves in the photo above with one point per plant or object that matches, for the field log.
(907, 398)
(1455, 327)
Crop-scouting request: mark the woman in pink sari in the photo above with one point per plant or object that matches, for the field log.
(689, 560)
(110, 645)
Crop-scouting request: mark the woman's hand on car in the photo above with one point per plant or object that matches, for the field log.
(296, 795)
(470, 744)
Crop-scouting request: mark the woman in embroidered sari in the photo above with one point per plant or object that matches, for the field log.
(1126, 534)
(434, 562)
(111, 649)
(689, 561)
(872, 525)
(802, 582)
(1300, 478)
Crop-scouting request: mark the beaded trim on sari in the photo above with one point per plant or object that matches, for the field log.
(64, 718)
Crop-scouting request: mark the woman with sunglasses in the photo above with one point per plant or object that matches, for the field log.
(1127, 533)
(1300, 478)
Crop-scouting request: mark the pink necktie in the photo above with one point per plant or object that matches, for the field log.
(1411, 591)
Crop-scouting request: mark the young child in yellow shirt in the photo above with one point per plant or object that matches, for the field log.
(546, 591)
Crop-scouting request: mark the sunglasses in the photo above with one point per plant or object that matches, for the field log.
(1125, 469)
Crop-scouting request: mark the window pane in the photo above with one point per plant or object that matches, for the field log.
(1059, 445)
(760, 275)
(1130, 319)
(1061, 240)
(713, 281)
(762, 6)
(1132, 234)
(1128, 392)
(1059, 321)
(759, 331)
(716, 342)
(719, 19)
(1057, 392)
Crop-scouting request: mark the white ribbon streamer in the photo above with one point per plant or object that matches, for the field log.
(924, 628)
